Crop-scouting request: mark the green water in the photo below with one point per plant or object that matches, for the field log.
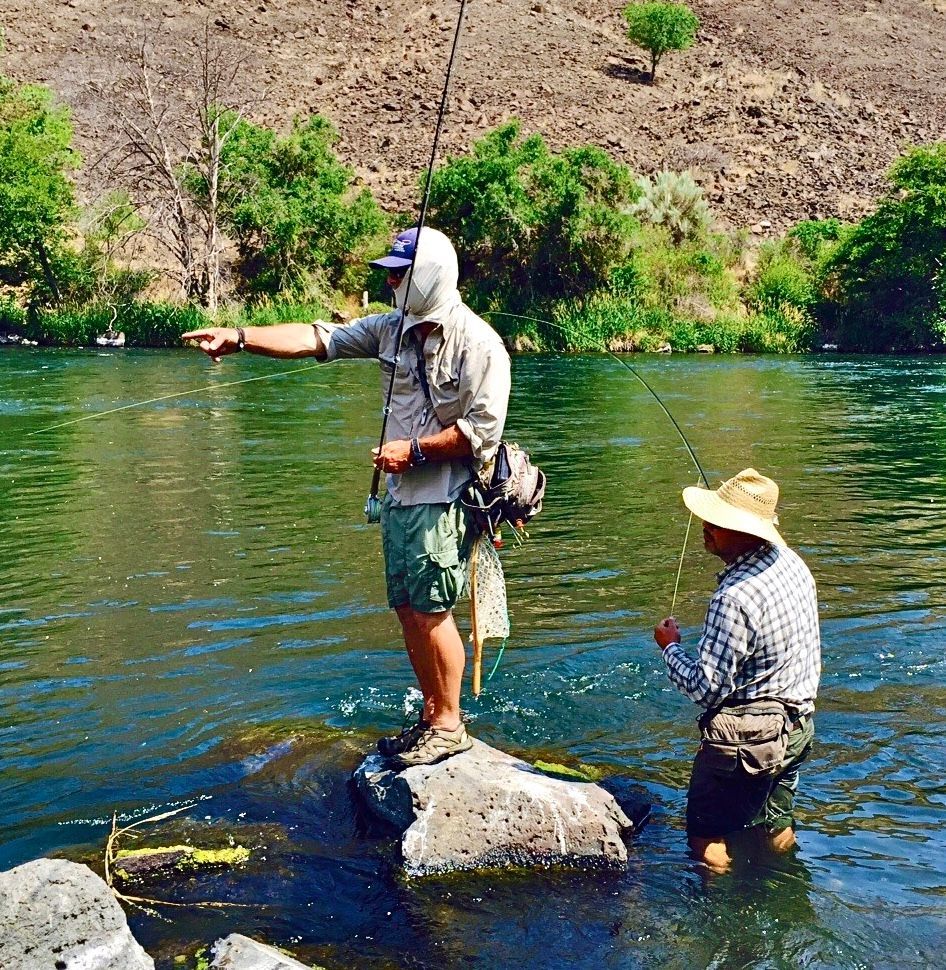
(191, 605)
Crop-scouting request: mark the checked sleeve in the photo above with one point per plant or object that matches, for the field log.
(723, 648)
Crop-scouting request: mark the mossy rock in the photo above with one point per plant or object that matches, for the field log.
(133, 863)
(585, 773)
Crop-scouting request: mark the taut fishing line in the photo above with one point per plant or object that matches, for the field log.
(663, 407)
(168, 397)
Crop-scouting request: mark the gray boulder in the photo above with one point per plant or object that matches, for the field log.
(59, 914)
(485, 808)
(238, 952)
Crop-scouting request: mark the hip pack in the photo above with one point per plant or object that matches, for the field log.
(754, 736)
(507, 489)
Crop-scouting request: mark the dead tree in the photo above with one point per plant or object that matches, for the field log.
(171, 147)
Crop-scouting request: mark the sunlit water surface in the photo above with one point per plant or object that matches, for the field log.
(192, 607)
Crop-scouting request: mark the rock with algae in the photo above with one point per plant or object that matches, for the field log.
(131, 863)
(485, 808)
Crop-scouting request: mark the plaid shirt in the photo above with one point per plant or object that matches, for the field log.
(760, 638)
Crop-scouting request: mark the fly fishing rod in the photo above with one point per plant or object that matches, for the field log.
(663, 407)
(373, 503)
(623, 363)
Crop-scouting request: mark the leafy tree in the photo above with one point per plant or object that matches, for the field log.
(659, 28)
(888, 270)
(529, 225)
(290, 204)
(37, 201)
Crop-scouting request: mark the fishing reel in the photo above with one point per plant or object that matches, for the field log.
(373, 509)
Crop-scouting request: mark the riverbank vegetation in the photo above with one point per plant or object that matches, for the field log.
(210, 216)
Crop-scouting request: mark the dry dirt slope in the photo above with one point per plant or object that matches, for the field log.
(785, 109)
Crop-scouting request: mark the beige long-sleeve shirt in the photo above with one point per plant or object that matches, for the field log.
(468, 375)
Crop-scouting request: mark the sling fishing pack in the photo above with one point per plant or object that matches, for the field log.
(509, 488)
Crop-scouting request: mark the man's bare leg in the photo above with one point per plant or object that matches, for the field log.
(781, 841)
(711, 851)
(413, 642)
(436, 653)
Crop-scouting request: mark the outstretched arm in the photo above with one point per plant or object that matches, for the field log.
(286, 340)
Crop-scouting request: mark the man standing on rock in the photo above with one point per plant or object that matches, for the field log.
(756, 671)
(448, 408)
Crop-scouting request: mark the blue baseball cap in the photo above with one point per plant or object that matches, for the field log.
(402, 252)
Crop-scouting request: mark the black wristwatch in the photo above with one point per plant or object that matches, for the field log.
(241, 338)
(417, 456)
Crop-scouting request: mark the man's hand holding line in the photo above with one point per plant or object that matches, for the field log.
(667, 632)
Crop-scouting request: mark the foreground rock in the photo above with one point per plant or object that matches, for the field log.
(238, 952)
(485, 808)
(59, 914)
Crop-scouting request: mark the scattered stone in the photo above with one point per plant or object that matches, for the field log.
(56, 913)
(238, 952)
(485, 808)
(705, 349)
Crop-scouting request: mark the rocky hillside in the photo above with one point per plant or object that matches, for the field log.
(784, 110)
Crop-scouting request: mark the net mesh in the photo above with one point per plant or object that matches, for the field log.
(486, 587)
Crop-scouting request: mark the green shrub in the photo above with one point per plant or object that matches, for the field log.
(692, 278)
(299, 224)
(270, 312)
(675, 201)
(604, 322)
(36, 196)
(786, 330)
(659, 28)
(12, 316)
(531, 226)
(783, 277)
(888, 268)
(815, 237)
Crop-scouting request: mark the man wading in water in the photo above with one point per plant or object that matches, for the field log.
(448, 408)
(756, 673)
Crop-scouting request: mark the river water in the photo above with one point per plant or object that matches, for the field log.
(192, 608)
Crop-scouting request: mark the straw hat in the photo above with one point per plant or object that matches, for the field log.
(745, 503)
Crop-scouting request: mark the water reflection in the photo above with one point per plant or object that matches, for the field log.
(175, 576)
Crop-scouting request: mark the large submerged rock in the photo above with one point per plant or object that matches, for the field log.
(56, 913)
(485, 808)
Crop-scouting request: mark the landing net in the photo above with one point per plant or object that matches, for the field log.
(486, 587)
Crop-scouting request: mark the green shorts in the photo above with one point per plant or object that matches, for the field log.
(425, 553)
(720, 802)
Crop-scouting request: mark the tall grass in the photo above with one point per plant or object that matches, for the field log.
(144, 324)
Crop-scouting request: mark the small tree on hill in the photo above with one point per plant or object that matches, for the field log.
(660, 27)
